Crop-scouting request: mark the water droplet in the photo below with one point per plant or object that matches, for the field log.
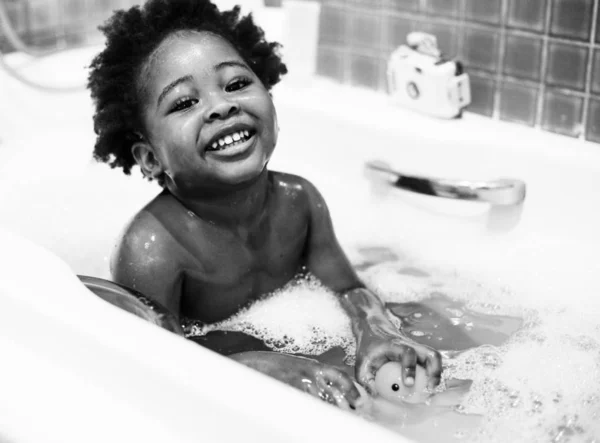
(460, 434)
(491, 360)
(536, 405)
(417, 333)
(455, 312)
(417, 315)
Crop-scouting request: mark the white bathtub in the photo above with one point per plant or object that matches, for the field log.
(85, 371)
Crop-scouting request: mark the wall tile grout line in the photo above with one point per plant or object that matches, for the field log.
(461, 27)
(501, 51)
(544, 65)
(589, 72)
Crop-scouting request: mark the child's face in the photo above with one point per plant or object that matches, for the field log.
(209, 120)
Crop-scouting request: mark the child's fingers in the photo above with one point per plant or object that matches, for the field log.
(409, 366)
(341, 387)
(432, 361)
(402, 353)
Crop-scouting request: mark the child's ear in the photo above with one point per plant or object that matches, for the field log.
(147, 160)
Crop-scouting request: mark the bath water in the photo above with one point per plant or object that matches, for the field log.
(535, 370)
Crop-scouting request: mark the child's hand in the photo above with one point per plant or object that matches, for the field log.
(320, 380)
(329, 384)
(377, 348)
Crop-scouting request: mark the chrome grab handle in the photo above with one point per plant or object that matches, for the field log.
(503, 191)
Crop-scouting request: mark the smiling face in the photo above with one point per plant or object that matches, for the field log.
(209, 122)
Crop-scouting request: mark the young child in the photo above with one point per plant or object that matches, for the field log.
(182, 90)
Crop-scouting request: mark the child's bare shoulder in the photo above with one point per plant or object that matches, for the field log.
(296, 186)
(148, 234)
(292, 183)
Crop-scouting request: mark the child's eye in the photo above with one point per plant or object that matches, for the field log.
(237, 84)
(183, 103)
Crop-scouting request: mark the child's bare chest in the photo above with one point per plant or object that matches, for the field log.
(226, 270)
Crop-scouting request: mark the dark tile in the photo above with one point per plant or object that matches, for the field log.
(598, 27)
(400, 5)
(43, 16)
(103, 8)
(487, 11)
(369, 5)
(518, 103)
(529, 14)
(74, 11)
(483, 91)
(366, 71)
(43, 39)
(396, 30)
(480, 49)
(330, 63)
(75, 37)
(523, 57)
(567, 65)
(596, 72)
(332, 24)
(447, 37)
(572, 18)
(592, 130)
(5, 46)
(562, 113)
(446, 8)
(17, 14)
(365, 31)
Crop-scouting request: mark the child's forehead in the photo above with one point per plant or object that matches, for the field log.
(183, 53)
(186, 44)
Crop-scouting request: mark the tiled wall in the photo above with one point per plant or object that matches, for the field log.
(57, 23)
(533, 62)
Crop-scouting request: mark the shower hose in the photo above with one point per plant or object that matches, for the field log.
(13, 38)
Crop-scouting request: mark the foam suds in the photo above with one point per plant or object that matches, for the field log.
(543, 384)
(304, 317)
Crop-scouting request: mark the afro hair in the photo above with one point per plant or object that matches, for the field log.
(131, 38)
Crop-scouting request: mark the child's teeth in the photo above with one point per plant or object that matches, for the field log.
(229, 139)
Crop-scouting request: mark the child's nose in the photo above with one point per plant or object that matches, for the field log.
(220, 107)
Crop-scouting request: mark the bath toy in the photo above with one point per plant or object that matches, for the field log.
(390, 386)
(388, 382)
(133, 302)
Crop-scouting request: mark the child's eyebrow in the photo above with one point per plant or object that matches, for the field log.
(231, 63)
(171, 85)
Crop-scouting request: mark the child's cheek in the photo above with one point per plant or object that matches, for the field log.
(275, 127)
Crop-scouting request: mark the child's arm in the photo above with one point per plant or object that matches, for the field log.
(378, 340)
(320, 380)
(144, 261)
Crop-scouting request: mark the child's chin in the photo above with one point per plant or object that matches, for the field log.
(243, 172)
(240, 176)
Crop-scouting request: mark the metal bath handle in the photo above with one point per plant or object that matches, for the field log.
(503, 191)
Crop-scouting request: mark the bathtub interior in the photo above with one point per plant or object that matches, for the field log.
(538, 260)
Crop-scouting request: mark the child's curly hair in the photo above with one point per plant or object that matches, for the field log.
(132, 36)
